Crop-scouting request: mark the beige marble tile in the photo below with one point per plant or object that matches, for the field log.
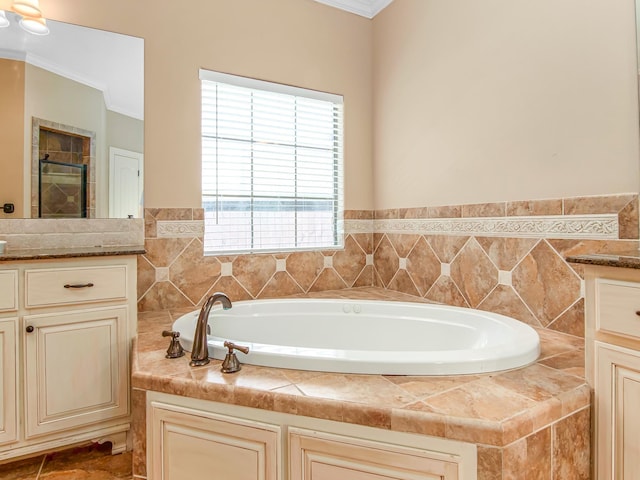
(402, 282)
(446, 247)
(364, 389)
(537, 382)
(146, 275)
(425, 386)
(193, 273)
(366, 277)
(529, 458)
(489, 463)
(597, 204)
(628, 220)
(254, 271)
(416, 212)
(358, 214)
(546, 283)
(389, 213)
(348, 263)
(504, 300)
(161, 296)
(304, 267)
(498, 209)
(571, 447)
(281, 284)
(483, 399)
(139, 432)
(570, 362)
(445, 211)
(473, 273)
(423, 266)
(386, 260)
(402, 243)
(571, 321)
(506, 252)
(328, 280)
(446, 291)
(534, 207)
(418, 418)
(161, 252)
(365, 241)
(234, 290)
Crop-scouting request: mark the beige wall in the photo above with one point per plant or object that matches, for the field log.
(493, 100)
(11, 134)
(298, 42)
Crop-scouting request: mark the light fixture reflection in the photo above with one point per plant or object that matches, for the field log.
(35, 25)
(4, 21)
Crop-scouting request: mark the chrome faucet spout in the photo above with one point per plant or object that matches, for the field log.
(200, 350)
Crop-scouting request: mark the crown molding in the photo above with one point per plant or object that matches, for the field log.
(365, 8)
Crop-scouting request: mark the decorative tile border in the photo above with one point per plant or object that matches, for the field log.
(595, 227)
(180, 228)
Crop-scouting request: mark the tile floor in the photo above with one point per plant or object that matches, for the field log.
(93, 462)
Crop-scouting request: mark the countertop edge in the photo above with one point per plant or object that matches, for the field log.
(80, 252)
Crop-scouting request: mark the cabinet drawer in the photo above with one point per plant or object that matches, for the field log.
(64, 286)
(8, 290)
(617, 302)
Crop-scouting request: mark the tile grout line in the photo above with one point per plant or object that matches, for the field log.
(44, 459)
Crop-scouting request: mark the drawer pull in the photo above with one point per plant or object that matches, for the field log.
(29, 329)
(78, 285)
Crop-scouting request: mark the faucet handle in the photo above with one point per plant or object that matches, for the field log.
(175, 350)
(231, 363)
(231, 346)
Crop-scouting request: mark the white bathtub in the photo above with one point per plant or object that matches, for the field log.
(367, 336)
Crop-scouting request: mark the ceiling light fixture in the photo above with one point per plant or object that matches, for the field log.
(32, 20)
(27, 8)
(35, 25)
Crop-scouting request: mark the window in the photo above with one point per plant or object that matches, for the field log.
(271, 166)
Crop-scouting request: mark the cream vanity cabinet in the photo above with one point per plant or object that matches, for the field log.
(65, 352)
(613, 369)
(186, 437)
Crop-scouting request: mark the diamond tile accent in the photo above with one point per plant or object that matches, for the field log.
(546, 283)
(474, 273)
(423, 266)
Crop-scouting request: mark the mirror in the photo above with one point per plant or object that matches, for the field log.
(72, 117)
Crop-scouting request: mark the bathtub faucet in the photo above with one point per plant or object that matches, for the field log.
(200, 350)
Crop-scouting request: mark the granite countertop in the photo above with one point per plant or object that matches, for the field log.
(492, 409)
(77, 252)
(628, 259)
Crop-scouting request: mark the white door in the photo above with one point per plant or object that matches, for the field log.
(125, 183)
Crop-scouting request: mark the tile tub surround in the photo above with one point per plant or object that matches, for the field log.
(175, 273)
(532, 419)
(506, 258)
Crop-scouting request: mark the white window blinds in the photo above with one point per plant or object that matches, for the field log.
(271, 166)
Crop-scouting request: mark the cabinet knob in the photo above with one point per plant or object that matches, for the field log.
(29, 329)
(638, 312)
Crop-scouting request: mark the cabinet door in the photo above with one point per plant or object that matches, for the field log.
(617, 398)
(188, 443)
(76, 369)
(322, 456)
(8, 412)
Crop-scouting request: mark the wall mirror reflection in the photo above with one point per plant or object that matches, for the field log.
(72, 116)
